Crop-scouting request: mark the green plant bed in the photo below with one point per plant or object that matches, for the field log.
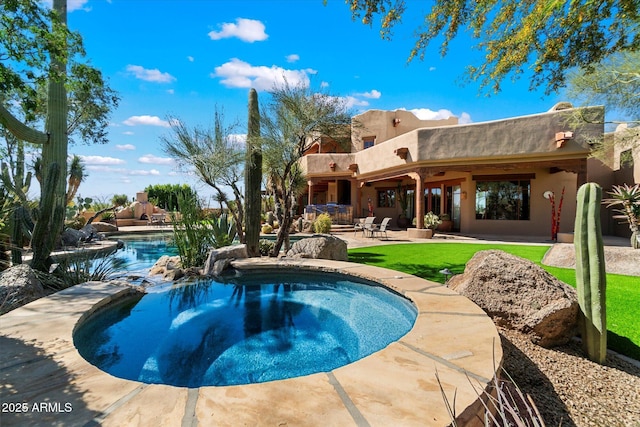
(426, 260)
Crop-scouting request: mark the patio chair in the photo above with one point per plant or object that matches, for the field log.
(382, 228)
(363, 226)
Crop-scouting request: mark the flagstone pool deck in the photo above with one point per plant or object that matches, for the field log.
(453, 345)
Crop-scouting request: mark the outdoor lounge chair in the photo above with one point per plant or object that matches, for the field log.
(382, 228)
(364, 226)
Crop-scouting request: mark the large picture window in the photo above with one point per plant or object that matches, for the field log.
(387, 198)
(503, 200)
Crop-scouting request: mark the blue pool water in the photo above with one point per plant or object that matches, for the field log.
(251, 328)
(141, 251)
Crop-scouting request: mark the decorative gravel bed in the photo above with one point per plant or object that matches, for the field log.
(570, 390)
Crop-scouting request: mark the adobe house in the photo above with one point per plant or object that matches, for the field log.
(489, 177)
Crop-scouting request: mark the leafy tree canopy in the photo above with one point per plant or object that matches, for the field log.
(553, 36)
(27, 41)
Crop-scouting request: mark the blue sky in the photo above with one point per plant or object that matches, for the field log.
(184, 58)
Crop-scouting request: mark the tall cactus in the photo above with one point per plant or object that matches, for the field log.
(253, 178)
(591, 278)
(54, 146)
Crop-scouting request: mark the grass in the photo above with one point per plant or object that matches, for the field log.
(427, 259)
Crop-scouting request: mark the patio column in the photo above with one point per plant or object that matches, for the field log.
(310, 196)
(419, 202)
(357, 206)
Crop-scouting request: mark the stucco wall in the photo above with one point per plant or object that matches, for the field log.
(380, 124)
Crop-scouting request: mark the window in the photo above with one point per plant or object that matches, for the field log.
(503, 200)
(369, 141)
(387, 198)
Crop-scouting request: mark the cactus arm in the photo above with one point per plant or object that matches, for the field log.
(19, 129)
(590, 272)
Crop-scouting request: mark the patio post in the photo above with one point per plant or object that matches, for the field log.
(419, 198)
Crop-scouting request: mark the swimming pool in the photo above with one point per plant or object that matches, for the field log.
(254, 327)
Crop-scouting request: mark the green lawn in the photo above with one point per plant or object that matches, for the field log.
(427, 259)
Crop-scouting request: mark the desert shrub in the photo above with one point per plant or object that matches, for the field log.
(265, 246)
(322, 224)
(192, 236)
(266, 229)
(76, 223)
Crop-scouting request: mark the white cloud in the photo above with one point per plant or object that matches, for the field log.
(374, 94)
(143, 172)
(128, 133)
(106, 169)
(125, 147)
(101, 160)
(155, 160)
(351, 101)
(190, 58)
(146, 121)
(154, 75)
(464, 118)
(248, 30)
(324, 84)
(432, 68)
(427, 114)
(240, 74)
(238, 139)
(171, 91)
(292, 58)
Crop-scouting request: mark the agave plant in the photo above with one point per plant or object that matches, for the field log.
(627, 200)
(224, 230)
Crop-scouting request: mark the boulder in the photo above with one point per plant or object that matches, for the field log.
(19, 286)
(220, 258)
(168, 266)
(323, 246)
(520, 295)
(71, 237)
(104, 227)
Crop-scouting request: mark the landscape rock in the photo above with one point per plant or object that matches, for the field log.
(104, 227)
(165, 264)
(322, 246)
(220, 258)
(73, 237)
(19, 286)
(518, 294)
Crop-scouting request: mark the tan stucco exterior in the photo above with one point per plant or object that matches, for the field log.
(420, 154)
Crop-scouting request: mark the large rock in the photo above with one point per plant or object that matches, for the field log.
(323, 246)
(169, 266)
(220, 258)
(19, 286)
(519, 295)
(104, 227)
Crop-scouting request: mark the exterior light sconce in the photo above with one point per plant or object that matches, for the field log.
(332, 166)
(396, 122)
(353, 167)
(402, 152)
(562, 137)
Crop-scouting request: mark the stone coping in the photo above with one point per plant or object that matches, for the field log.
(452, 345)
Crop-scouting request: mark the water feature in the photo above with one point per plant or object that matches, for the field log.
(244, 328)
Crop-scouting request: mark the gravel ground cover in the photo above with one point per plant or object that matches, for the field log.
(570, 390)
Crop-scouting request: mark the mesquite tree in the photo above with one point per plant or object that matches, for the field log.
(214, 156)
(253, 178)
(54, 141)
(297, 118)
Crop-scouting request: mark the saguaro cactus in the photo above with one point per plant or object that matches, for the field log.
(54, 147)
(590, 272)
(253, 178)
